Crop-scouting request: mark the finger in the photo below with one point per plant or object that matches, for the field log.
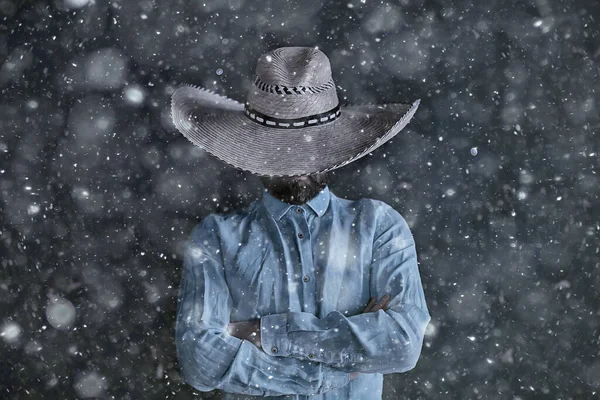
(382, 303)
(387, 302)
(371, 304)
(373, 301)
(387, 299)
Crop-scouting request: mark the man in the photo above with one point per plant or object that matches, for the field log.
(301, 293)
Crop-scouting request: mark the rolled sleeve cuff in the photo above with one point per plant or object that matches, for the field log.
(273, 335)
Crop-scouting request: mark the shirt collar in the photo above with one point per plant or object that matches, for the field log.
(278, 208)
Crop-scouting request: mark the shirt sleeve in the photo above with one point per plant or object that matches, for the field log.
(209, 357)
(375, 342)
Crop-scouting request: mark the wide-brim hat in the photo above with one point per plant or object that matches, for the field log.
(291, 123)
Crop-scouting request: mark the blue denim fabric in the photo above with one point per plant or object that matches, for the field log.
(307, 272)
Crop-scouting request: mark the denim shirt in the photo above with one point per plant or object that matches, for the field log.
(307, 272)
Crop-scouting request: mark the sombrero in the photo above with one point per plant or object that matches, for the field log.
(292, 122)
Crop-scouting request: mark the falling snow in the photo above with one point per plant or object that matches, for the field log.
(60, 313)
(497, 177)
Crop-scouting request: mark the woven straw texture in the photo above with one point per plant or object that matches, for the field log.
(218, 125)
(294, 66)
(291, 83)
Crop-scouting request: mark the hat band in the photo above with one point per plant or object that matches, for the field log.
(281, 89)
(293, 123)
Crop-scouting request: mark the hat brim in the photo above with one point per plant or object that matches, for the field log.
(219, 125)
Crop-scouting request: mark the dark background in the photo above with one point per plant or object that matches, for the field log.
(497, 177)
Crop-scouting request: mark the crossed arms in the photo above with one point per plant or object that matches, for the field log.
(302, 354)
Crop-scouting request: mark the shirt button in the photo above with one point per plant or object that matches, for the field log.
(299, 210)
(301, 235)
(311, 356)
(306, 278)
(274, 350)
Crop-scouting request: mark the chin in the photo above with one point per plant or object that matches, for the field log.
(295, 189)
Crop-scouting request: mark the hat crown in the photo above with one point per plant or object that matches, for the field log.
(294, 66)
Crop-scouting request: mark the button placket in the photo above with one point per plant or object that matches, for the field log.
(304, 246)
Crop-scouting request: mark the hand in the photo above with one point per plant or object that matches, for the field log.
(248, 330)
(374, 306)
